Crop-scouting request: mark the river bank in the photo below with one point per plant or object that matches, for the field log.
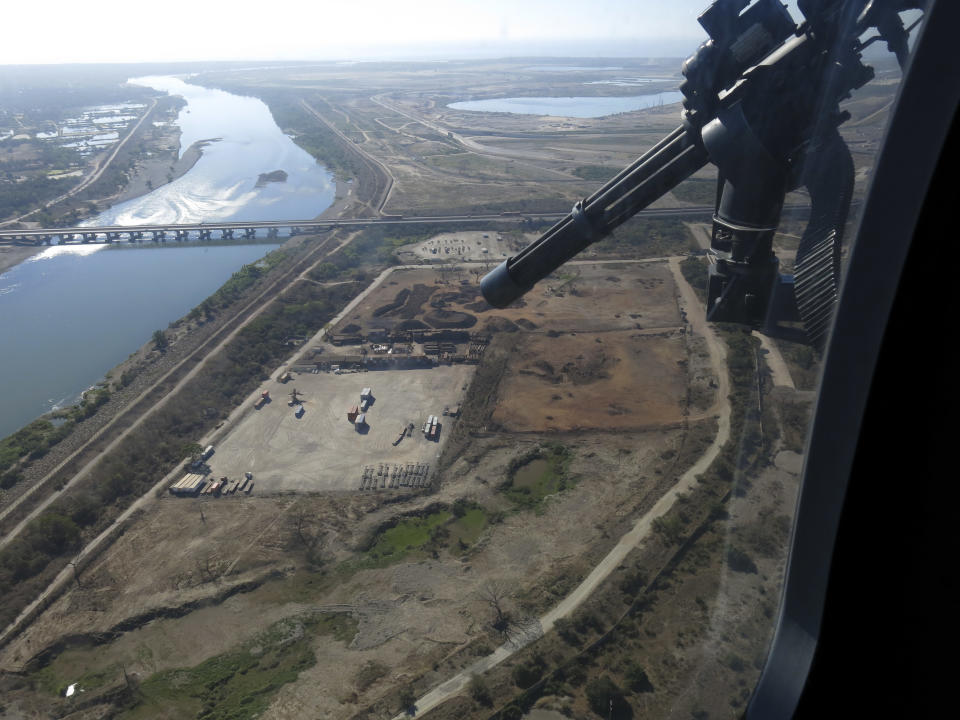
(156, 170)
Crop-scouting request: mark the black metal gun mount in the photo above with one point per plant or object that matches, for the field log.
(761, 102)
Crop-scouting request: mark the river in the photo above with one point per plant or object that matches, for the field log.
(577, 107)
(71, 313)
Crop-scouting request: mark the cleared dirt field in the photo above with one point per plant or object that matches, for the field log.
(321, 450)
(588, 297)
(614, 380)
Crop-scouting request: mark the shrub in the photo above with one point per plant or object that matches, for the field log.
(739, 561)
(606, 699)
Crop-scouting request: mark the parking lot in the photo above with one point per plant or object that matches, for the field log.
(463, 245)
(322, 450)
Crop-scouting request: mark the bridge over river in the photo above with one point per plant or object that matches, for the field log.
(271, 229)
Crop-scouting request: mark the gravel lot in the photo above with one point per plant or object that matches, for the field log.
(322, 450)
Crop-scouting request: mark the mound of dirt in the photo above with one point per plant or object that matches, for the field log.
(411, 325)
(398, 302)
(481, 306)
(500, 324)
(526, 324)
(414, 303)
(450, 319)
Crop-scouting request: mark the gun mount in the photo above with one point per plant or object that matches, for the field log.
(761, 102)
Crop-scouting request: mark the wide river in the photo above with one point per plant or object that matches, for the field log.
(71, 313)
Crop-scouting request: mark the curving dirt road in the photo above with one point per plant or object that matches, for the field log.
(640, 530)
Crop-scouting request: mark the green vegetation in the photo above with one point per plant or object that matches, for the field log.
(740, 561)
(646, 237)
(17, 198)
(598, 173)
(32, 441)
(694, 271)
(466, 527)
(606, 699)
(479, 690)
(537, 474)
(160, 341)
(436, 529)
(234, 288)
(407, 535)
(240, 683)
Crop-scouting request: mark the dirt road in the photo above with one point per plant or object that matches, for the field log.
(641, 529)
(778, 367)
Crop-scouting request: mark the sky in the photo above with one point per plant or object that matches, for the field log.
(56, 31)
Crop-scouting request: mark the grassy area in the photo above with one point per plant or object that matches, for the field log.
(465, 530)
(240, 683)
(598, 173)
(405, 537)
(536, 475)
(439, 529)
(694, 271)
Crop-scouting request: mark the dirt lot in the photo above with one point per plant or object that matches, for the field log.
(613, 380)
(322, 451)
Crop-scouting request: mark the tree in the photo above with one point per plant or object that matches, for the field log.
(160, 341)
(606, 699)
(192, 450)
(526, 675)
(637, 679)
(495, 596)
(407, 699)
(479, 690)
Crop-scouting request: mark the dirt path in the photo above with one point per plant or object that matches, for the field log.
(641, 529)
(778, 367)
(701, 233)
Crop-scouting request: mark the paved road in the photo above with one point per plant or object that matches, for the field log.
(641, 529)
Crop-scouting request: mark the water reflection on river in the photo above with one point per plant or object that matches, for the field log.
(246, 142)
(71, 313)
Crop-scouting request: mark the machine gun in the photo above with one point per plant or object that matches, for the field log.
(761, 102)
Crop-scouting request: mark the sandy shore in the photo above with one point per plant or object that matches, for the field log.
(157, 170)
(342, 201)
(11, 255)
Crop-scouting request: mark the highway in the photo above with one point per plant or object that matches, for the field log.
(302, 226)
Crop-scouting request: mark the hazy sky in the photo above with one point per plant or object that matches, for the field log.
(130, 31)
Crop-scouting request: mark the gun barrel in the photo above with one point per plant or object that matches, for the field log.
(672, 160)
